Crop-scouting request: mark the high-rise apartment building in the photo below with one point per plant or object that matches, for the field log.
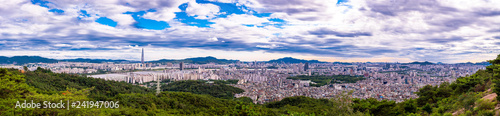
(181, 67)
(306, 66)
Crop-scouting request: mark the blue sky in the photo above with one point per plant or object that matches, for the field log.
(332, 30)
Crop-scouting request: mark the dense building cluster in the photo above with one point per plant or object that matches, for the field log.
(266, 82)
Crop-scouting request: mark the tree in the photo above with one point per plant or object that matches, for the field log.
(13, 85)
(494, 68)
(218, 89)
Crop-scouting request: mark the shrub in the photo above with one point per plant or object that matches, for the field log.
(485, 104)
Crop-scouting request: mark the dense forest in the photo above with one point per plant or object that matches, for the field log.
(216, 89)
(471, 95)
(50, 83)
(43, 85)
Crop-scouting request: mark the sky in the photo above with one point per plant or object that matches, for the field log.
(448, 31)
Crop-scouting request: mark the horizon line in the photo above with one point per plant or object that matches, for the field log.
(244, 61)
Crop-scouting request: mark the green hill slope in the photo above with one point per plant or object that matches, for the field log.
(49, 83)
(218, 90)
(42, 85)
(465, 96)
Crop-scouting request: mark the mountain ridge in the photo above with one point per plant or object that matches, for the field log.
(195, 60)
(293, 60)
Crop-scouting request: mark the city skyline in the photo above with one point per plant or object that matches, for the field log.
(248, 30)
(271, 81)
(37, 59)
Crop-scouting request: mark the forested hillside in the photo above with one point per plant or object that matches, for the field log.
(218, 90)
(50, 83)
(471, 95)
(43, 85)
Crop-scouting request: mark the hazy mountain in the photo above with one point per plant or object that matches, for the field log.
(421, 63)
(25, 60)
(477, 63)
(293, 60)
(19, 60)
(37, 59)
(345, 63)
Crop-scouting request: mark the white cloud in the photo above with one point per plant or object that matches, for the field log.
(224, 1)
(213, 39)
(241, 19)
(272, 46)
(445, 30)
(202, 11)
(62, 45)
(164, 14)
(122, 19)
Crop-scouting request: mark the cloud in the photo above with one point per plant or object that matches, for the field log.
(272, 46)
(242, 19)
(213, 39)
(444, 30)
(322, 32)
(123, 19)
(488, 12)
(163, 14)
(395, 7)
(202, 11)
(445, 40)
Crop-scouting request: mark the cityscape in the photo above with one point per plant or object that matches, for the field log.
(267, 81)
(250, 57)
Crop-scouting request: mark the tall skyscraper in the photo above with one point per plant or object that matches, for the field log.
(180, 66)
(306, 66)
(142, 57)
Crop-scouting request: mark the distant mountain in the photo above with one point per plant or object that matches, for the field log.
(421, 63)
(345, 63)
(197, 60)
(477, 63)
(37, 59)
(25, 60)
(482, 63)
(20, 60)
(293, 60)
